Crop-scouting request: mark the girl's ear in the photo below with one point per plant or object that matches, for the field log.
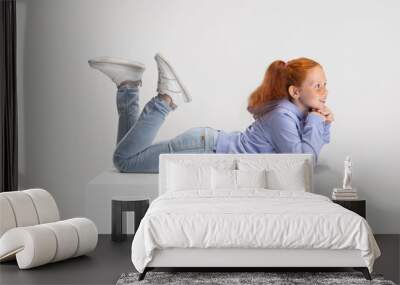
(293, 92)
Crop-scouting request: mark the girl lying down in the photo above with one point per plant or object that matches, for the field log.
(289, 108)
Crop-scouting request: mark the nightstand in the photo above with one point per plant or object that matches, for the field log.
(357, 206)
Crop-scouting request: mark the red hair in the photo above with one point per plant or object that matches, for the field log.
(277, 79)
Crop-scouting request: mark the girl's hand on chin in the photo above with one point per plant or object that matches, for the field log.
(325, 112)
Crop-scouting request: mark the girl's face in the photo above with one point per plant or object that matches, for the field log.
(312, 93)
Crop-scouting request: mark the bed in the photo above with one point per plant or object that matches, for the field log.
(244, 211)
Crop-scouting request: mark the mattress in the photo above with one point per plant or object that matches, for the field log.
(250, 218)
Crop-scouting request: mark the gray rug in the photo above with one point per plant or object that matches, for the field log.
(225, 278)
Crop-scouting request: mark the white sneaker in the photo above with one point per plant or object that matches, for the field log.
(169, 83)
(118, 69)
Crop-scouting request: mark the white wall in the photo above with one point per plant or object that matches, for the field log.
(221, 50)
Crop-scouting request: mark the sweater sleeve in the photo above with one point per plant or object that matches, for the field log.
(327, 132)
(286, 138)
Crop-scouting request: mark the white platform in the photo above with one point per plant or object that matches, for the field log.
(109, 183)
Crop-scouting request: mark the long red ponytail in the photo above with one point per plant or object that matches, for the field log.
(277, 79)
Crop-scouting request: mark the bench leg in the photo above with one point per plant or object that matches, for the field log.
(118, 221)
(364, 271)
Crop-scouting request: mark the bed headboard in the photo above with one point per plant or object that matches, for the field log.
(214, 158)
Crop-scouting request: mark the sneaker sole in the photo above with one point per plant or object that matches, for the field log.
(187, 98)
(118, 61)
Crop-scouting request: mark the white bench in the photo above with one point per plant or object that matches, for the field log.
(109, 183)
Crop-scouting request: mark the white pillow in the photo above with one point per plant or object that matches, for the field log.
(223, 179)
(291, 179)
(237, 179)
(181, 177)
(251, 178)
(282, 174)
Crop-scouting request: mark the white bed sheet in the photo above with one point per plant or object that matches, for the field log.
(250, 218)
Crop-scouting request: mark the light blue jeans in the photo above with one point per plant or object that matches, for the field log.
(135, 150)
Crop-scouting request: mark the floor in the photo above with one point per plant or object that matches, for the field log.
(111, 259)
(102, 266)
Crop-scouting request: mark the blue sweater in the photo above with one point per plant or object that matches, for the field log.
(284, 128)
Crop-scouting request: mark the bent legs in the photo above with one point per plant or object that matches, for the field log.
(135, 150)
(137, 133)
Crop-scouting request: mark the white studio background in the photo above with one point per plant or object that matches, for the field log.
(220, 49)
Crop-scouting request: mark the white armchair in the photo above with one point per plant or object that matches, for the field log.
(31, 231)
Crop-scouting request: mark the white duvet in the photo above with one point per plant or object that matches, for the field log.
(251, 218)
